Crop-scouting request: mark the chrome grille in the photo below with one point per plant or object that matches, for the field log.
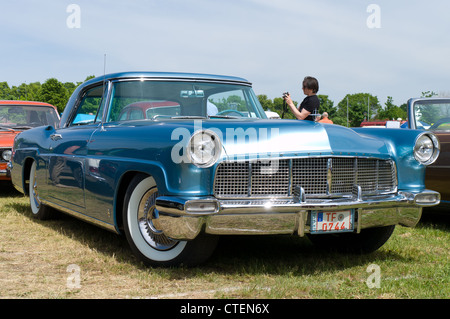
(233, 179)
(318, 176)
(311, 174)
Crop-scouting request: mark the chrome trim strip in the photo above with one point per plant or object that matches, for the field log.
(81, 216)
(377, 169)
(180, 79)
(250, 171)
(291, 176)
(329, 175)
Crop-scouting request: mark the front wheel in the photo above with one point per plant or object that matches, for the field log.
(147, 241)
(38, 209)
(365, 242)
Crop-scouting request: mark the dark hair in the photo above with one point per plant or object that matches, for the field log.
(311, 83)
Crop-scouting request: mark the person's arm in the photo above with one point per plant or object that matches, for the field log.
(299, 115)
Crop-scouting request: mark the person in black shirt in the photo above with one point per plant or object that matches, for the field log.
(310, 104)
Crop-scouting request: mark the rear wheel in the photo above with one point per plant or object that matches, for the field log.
(365, 242)
(147, 240)
(39, 210)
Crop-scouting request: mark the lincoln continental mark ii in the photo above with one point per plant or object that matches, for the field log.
(174, 161)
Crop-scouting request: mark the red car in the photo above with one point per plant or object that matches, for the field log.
(17, 116)
(149, 110)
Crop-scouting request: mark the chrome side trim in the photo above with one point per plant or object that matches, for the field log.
(81, 216)
(329, 175)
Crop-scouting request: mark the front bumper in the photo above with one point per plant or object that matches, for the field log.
(5, 173)
(184, 219)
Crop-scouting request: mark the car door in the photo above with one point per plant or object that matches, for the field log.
(68, 150)
(433, 114)
(437, 174)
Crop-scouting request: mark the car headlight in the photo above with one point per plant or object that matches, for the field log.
(6, 155)
(426, 149)
(204, 148)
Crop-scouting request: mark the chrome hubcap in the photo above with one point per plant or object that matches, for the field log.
(148, 223)
(35, 195)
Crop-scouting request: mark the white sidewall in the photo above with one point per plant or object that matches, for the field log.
(34, 207)
(133, 227)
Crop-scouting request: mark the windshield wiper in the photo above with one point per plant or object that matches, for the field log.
(224, 117)
(22, 127)
(6, 128)
(188, 117)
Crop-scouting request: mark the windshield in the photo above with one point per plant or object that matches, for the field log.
(27, 116)
(159, 100)
(432, 115)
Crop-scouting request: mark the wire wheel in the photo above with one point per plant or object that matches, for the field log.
(148, 223)
(147, 240)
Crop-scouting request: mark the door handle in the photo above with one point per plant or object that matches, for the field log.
(56, 137)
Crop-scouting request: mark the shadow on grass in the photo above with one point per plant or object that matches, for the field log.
(8, 190)
(94, 237)
(284, 254)
(438, 218)
(249, 255)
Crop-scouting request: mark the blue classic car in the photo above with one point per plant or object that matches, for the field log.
(174, 160)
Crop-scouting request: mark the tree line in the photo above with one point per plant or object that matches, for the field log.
(51, 91)
(353, 107)
(351, 110)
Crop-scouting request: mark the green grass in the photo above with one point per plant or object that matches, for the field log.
(34, 256)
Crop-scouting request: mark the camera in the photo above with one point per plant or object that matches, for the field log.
(285, 94)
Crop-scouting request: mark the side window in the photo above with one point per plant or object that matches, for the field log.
(90, 108)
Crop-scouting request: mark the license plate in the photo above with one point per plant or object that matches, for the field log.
(332, 222)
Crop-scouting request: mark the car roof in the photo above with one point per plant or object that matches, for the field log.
(170, 75)
(20, 102)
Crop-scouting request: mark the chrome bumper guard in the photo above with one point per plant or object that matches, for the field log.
(184, 219)
(4, 173)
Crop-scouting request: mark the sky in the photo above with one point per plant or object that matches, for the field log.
(397, 48)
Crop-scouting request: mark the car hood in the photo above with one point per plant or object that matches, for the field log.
(277, 138)
(7, 137)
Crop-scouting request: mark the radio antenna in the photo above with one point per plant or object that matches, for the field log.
(104, 68)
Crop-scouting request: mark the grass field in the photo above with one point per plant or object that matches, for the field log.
(69, 259)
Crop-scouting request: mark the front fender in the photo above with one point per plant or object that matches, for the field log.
(411, 174)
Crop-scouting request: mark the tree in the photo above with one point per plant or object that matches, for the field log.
(277, 105)
(5, 91)
(358, 106)
(391, 111)
(265, 102)
(428, 94)
(326, 105)
(54, 92)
